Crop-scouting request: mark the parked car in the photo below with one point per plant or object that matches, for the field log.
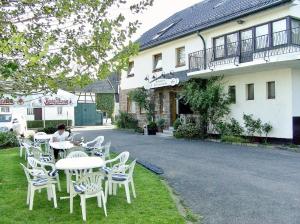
(13, 122)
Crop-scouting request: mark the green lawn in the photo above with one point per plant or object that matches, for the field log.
(152, 205)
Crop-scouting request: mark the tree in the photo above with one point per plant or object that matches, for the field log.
(208, 99)
(45, 44)
(106, 103)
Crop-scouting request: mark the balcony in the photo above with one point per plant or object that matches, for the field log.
(245, 52)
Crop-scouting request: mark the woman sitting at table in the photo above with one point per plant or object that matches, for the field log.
(59, 136)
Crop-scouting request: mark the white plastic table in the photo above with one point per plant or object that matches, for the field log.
(42, 138)
(61, 145)
(80, 163)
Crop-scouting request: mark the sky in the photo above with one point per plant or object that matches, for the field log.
(161, 10)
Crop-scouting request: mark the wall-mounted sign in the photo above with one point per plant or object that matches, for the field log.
(57, 101)
(6, 102)
(162, 83)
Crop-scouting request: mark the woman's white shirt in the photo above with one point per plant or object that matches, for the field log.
(61, 137)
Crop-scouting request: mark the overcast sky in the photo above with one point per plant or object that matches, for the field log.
(161, 10)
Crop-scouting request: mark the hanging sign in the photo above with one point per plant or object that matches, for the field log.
(162, 83)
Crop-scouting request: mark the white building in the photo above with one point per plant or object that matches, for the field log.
(255, 45)
(49, 108)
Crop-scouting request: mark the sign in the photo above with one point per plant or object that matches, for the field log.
(162, 83)
(6, 102)
(57, 101)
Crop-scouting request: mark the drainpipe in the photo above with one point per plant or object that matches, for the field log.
(204, 46)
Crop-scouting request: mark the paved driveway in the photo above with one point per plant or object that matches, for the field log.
(224, 183)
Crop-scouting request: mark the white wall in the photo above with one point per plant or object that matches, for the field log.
(277, 111)
(296, 92)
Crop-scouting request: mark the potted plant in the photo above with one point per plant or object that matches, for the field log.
(161, 124)
(152, 128)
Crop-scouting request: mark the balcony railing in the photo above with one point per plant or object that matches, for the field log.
(283, 42)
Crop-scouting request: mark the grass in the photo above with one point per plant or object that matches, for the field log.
(152, 205)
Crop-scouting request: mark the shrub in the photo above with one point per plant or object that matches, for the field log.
(252, 125)
(189, 131)
(48, 130)
(233, 139)
(232, 128)
(161, 123)
(266, 129)
(126, 121)
(177, 123)
(48, 123)
(8, 139)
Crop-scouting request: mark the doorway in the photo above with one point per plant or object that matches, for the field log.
(173, 108)
(38, 114)
(296, 130)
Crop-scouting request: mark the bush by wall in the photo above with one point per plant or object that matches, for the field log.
(106, 103)
(189, 131)
(8, 139)
(126, 121)
(49, 123)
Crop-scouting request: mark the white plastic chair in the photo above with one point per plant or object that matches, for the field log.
(125, 179)
(95, 144)
(88, 186)
(37, 183)
(41, 166)
(118, 165)
(76, 173)
(104, 155)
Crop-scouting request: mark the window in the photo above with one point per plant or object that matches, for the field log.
(30, 111)
(295, 31)
(279, 32)
(262, 36)
(180, 56)
(130, 72)
(161, 103)
(157, 62)
(232, 94)
(246, 41)
(232, 44)
(271, 90)
(219, 47)
(5, 109)
(250, 91)
(131, 107)
(59, 110)
(164, 30)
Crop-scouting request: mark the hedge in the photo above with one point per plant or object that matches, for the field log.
(49, 123)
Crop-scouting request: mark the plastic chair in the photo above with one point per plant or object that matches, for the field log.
(88, 186)
(104, 155)
(37, 183)
(95, 144)
(125, 179)
(76, 173)
(41, 166)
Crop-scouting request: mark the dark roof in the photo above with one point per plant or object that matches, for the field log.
(100, 86)
(203, 15)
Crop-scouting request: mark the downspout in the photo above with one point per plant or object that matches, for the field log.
(204, 46)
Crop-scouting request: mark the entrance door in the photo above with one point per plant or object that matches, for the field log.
(246, 46)
(38, 114)
(172, 107)
(296, 130)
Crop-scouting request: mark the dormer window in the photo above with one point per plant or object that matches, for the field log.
(161, 32)
(130, 71)
(157, 62)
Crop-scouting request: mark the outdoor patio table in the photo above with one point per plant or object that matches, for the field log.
(42, 138)
(61, 145)
(80, 163)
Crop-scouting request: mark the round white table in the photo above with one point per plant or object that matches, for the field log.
(61, 145)
(80, 163)
(42, 138)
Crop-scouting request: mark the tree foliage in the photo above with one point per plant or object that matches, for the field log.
(45, 44)
(106, 103)
(208, 99)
